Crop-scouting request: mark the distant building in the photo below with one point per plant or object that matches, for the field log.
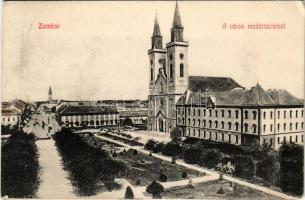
(88, 116)
(138, 117)
(10, 117)
(242, 116)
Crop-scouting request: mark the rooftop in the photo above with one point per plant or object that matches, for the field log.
(89, 110)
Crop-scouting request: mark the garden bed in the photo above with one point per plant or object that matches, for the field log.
(147, 169)
(216, 190)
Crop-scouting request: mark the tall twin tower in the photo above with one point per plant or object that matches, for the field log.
(168, 75)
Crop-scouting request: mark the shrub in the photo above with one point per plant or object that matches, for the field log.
(192, 155)
(158, 147)
(268, 169)
(134, 152)
(129, 193)
(244, 167)
(211, 158)
(114, 154)
(149, 145)
(184, 175)
(155, 189)
(162, 178)
(171, 149)
(291, 170)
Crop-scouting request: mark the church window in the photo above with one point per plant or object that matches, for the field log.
(181, 70)
(171, 70)
(151, 74)
(181, 56)
(161, 87)
(151, 62)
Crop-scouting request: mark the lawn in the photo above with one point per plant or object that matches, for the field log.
(209, 190)
(147, 169)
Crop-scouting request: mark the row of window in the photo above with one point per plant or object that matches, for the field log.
(8, 119)
(204, 135)
(296, 114)
(284, 140)
(284, 126)
(229, 113)
(97, 123)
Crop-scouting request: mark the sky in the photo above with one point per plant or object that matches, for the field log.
(100, 48)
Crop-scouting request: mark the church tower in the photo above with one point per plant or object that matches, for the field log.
(157, 57)
(177, 57)
(50, 94)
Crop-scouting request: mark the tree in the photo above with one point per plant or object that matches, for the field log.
(176, 135)
(162, 178)
(244, 167)
(184, 175)
(211, 158)
(291, 171)
(192, 155)
(150, 145)
(155, 188)
(171, 149)
(129, 193)
(269, 168)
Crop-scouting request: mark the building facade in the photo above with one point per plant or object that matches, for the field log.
(88, 116)
(242, 116)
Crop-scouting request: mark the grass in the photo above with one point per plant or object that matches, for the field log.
(147, 169)
(209, 190)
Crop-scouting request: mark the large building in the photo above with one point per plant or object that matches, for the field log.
(87, 116)
(215, 108)
(169, 79)
(242, 116)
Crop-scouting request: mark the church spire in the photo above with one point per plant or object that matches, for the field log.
(156, 39)
(157, 31)
(177, 20)
(177, 28)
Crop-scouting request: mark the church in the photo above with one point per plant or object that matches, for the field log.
(169, 78)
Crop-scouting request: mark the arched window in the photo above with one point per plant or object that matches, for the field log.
(264, 115)
(236, 114)
(151, 74)
(194, 121)
(97, 122)
(271, 115)
(284, 125)
(189, 121)
(271, 127)
(236, 126)
(254, 128)
(302, 125)
(204, 123)
(264, 128)
(229, 113)
(296, 126)
(210, 123)
(216, 113)
(246, 114)
(296, 114)
(171, 70)
(278, 127)
(198, 112)
(210, 111)
(290, 126)
(222, 124)
(181, 70)
(161, 87)
(204, 112)
(216, 124)
(254, 115)
(222, 113)
(229, 125)
(198, 122)
(246, 127)
(290, 114)
(278, 114)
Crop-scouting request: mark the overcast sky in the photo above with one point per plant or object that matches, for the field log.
(100, 49)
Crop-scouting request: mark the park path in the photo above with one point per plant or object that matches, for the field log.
(209, 172)
(54, 182)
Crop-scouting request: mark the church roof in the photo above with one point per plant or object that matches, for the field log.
(177, 20)
(216, 84)
(133, 113)
(156, 31)
(256, 96)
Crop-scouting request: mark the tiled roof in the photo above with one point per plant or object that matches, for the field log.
(89, 110)
(9, 112)
(256, 96)
(133, 113)
(215, 84)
